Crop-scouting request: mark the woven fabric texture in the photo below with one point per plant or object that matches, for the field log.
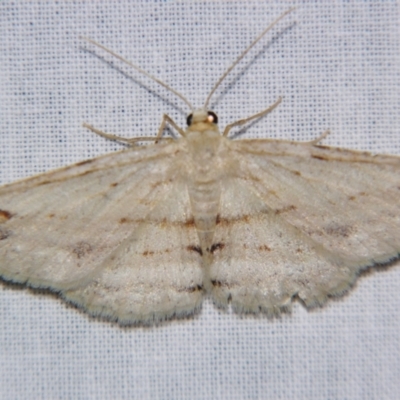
(337, 64)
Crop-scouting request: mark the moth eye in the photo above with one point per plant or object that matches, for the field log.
(189, 119)
(212, 117)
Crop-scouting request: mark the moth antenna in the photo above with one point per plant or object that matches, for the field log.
(226, 73)
(142, 71)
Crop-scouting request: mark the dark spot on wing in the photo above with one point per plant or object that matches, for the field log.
(312, 232)
(216, 246)
(82, 248)
(85, 173)
(156, 184)
(83, 162)
(246, 218)
(5, 216)
(51, 215)
(196, 288)
(197, 249)
(264, 247)
(338, 230)
(218, 219)
(217, 283)
(124, 220)
(319, 157)
(352, 198)
(189, 222)
(148, 253)
(4, 233)
(299, 250)
(296, 173)
(114, 184)
(44, 183)
(285, 209)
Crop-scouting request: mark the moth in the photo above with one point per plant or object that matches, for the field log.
(142, 235)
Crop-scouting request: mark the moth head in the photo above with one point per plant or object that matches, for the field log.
(201, 116)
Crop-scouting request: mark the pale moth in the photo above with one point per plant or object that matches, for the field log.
(141, 235)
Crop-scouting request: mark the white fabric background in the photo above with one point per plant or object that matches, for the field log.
(337, 63)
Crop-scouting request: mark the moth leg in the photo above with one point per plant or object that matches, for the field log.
(167, 119)
(319, 138)
(120, 138)
(254, 116)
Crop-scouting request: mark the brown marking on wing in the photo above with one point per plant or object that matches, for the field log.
(51, 215)
(337, 230)
(197, 249)
(5, 233)
(148, 253)
(223, 221)
(246, 218)
(218, 219)
(67, 177)
(312, 232)
(5, 216)
(299, 250)
(319, 157)
(164, 223)
(82, 248)
(114, 184)
(189, 222)
(264, 247)
(156, 184)
(215, 247)
(352, 198)
(296, 173)
(124, 220)
(285, 209)
(84, 162)
(191, 289)
(217, 283)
